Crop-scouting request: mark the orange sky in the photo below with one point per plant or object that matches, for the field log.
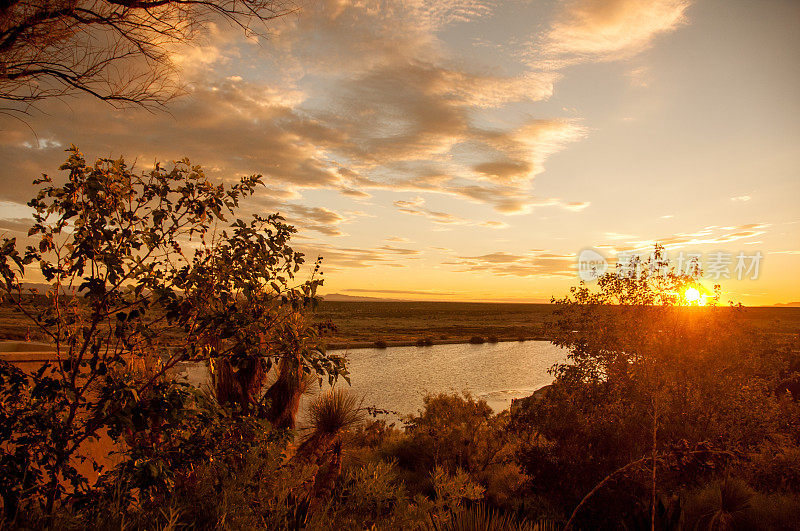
(469, 150)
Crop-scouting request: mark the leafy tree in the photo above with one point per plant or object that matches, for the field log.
(651, 383)
(145, 272)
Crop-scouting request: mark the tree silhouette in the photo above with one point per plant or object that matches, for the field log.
(115, 50)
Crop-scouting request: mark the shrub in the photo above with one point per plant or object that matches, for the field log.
(493, 339)
(477, 340)
(134, 261)
(380, 344)
(424, 342)
(730, 503)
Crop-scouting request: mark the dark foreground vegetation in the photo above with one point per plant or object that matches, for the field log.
(664, 417)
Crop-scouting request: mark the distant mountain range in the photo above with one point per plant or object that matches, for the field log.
(340, 297)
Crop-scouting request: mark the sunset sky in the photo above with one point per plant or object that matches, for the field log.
(469, 150)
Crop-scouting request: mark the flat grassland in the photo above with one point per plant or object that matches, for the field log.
(363, 323)
(405, 323)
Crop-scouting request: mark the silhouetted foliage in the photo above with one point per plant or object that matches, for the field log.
(114, 50)
(654, 394)
(145, 272)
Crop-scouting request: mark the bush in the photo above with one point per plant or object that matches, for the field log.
(477, 340)
(424, 342)
(458, 433)
(731, 503)
(158, 271)
(493, 339)
(380, 344)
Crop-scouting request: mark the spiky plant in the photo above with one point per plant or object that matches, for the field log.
(244, 381)
(480, 518)
(297, 341)
(726, 506)
(237, 385)
(330, 415)
(283, 396)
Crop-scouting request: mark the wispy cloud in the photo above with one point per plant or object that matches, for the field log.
(415, 207)
(710, 235)
(610, 29)
(522, 265)
(399, 291)
(399, 250)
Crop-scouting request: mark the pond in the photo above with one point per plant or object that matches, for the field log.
(397, 378)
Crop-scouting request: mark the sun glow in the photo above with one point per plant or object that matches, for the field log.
(694, 297)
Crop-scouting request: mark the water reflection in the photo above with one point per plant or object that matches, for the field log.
(397, 378)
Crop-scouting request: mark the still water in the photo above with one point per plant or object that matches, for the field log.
(397, 378)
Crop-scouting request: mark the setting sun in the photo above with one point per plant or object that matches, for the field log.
(693, 296)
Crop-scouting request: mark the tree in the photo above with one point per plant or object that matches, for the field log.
(650, 381)
(115, 50)
(144, 272)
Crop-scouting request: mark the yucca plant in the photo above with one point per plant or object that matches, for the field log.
(330, 415)
(283, 396)
(481, 518)
(237, 385)
(724, 506)
(244, 382)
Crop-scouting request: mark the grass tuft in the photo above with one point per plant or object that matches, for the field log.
(334, 411)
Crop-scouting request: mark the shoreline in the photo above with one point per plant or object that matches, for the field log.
(347, 345)
(42, 354)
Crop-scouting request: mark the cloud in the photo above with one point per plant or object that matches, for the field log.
(415, 208)
(352, 192)
(741, 198)
(343, 96)
(610, 29)
(521, 265)
(399, 291)
(19, 226)
(513, 199)
(639, 77)
(710, 235)
(399, 250)
(318, 219)
(337, 258)
(495, 224)
(231, 129)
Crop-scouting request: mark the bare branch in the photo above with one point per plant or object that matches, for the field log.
(117, 51)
